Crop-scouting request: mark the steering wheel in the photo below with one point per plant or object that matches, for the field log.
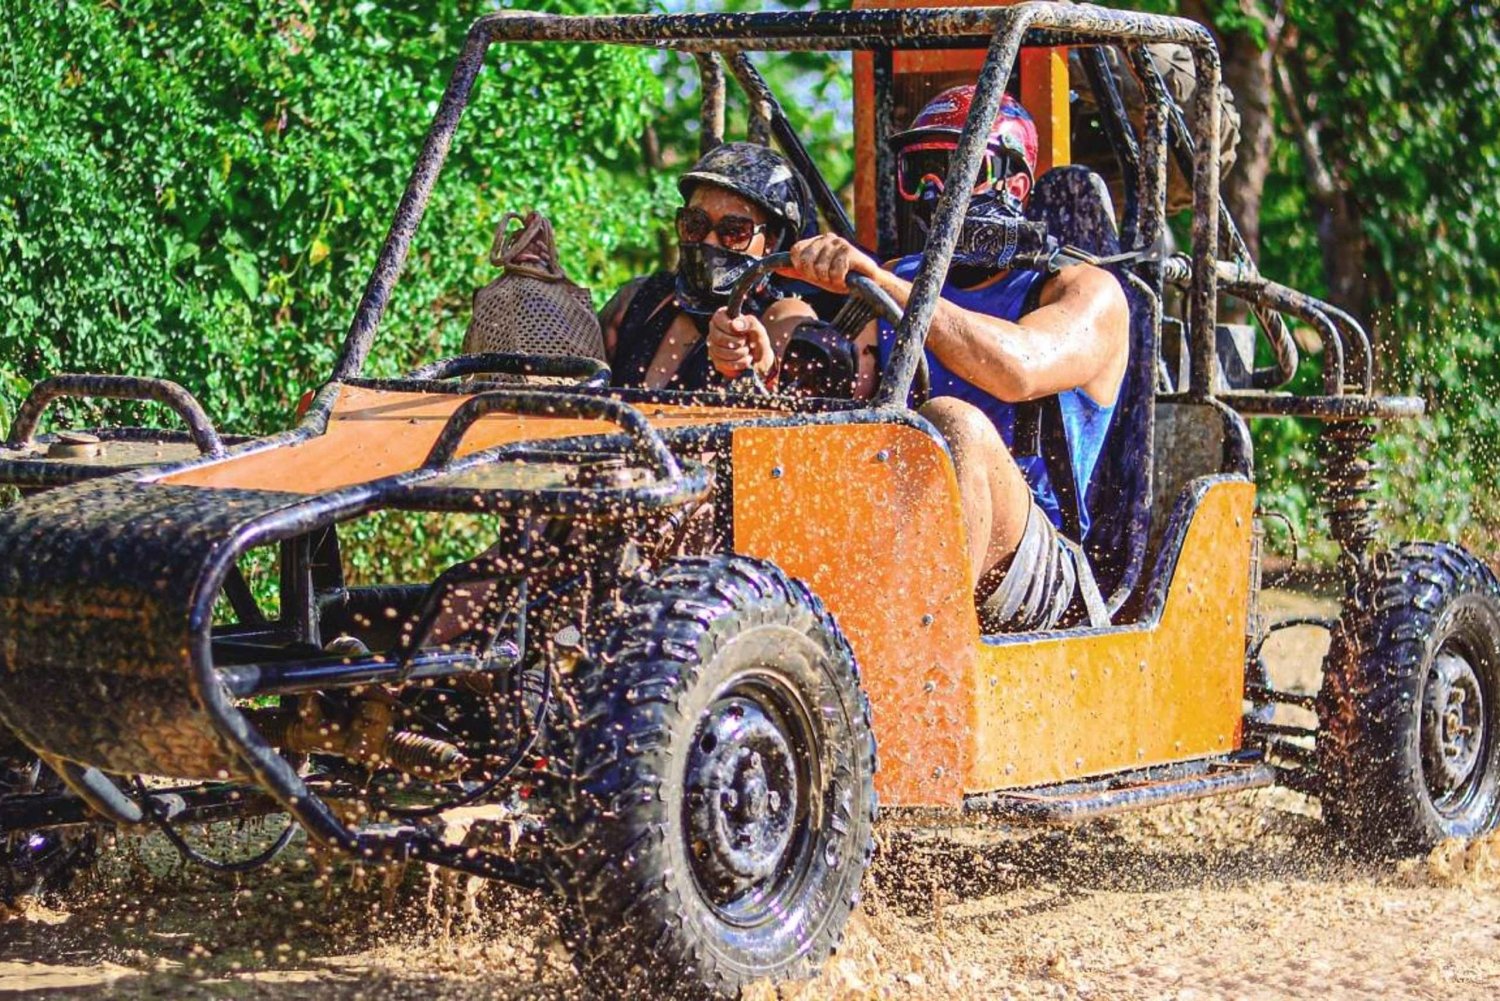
(861, 287)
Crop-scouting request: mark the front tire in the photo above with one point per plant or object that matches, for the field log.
(723, 801)
(1409, 710)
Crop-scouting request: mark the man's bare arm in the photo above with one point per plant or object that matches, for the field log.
(1076, 338)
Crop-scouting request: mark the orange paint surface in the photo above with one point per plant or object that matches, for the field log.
(1057, 709)
(1071, 707)
(1044, 92)
(881, 543)
(868, 516)
(375, 433)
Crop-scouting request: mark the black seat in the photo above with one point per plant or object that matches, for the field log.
(1074, 204)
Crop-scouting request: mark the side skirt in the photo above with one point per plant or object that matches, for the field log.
(1073, 802)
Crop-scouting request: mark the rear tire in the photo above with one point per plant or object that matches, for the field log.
(1409, 710)
(721, 812)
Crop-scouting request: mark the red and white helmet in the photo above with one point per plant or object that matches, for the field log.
(1012, 142)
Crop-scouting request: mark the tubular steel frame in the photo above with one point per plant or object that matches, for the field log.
(1192, 139)
(716, 41)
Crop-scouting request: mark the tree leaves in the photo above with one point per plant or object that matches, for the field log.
(242, 267)
(1406, 98)
(174, 180)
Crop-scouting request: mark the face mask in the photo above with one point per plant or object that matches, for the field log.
(995, 232)
(706, 275)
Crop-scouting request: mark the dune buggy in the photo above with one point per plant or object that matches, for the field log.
(670, 667)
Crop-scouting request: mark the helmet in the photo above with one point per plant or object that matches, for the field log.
(759, 175)
(937, 127)
(994, 228)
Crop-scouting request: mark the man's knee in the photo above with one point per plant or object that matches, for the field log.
(977, 446)
(964, 426)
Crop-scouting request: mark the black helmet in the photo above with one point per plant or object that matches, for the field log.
(760, 175)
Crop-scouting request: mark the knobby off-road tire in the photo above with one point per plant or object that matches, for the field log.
(1409, 710)
(721, 817)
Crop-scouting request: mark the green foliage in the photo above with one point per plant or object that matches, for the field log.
(1407, 95)
(1411, 95)
(816, 90)
(1287, 467)
(199, 191)
(1412, 91)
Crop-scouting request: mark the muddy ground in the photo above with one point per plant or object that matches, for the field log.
(1240, 897)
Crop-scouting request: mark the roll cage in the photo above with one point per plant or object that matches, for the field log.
(720, 43)
(194, 534)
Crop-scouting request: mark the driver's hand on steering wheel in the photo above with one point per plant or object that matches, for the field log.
(738, 344)
(827, 261)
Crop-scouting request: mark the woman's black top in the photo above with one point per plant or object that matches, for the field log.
(644, 326)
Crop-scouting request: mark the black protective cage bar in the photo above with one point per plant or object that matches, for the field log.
(439, 483)
(115, 387)
(714, 39)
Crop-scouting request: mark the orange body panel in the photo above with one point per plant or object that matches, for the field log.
(880, 541)
(920, 74)
(1070, 707)
(868, 516)
(375, 433)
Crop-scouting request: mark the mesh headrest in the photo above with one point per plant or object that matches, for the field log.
(1074, 203)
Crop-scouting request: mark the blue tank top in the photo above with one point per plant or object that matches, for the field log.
(1085, 422)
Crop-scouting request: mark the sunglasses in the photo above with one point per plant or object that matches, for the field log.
(734, 231)
(920, 170)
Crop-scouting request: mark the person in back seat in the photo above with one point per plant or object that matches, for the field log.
(1000, 338)
(670, 330)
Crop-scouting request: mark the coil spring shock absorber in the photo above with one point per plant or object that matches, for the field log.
(1349, 486)
(425, 756)
(368, 737)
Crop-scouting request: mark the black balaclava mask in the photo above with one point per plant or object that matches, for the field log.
(706, 274)
(994, 235)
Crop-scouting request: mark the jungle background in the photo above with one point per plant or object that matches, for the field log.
(199, 190)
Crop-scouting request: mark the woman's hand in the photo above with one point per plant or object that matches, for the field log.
(828, 260)
(738, 344)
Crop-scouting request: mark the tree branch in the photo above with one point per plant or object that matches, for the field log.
(1324, 187)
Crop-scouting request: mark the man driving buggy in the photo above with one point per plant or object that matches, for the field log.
(1000, 337)
(670, 330)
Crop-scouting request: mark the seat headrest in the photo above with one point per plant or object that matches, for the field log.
(1074, 203)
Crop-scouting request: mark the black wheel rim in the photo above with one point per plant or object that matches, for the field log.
(751, 803)
(1456, 737)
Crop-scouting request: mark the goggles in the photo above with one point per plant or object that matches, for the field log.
(734, 231)
(922, 169)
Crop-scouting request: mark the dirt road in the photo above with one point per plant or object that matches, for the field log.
(1240, 898)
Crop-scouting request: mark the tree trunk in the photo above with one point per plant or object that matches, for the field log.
(1247, 71)
(1341, 234)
